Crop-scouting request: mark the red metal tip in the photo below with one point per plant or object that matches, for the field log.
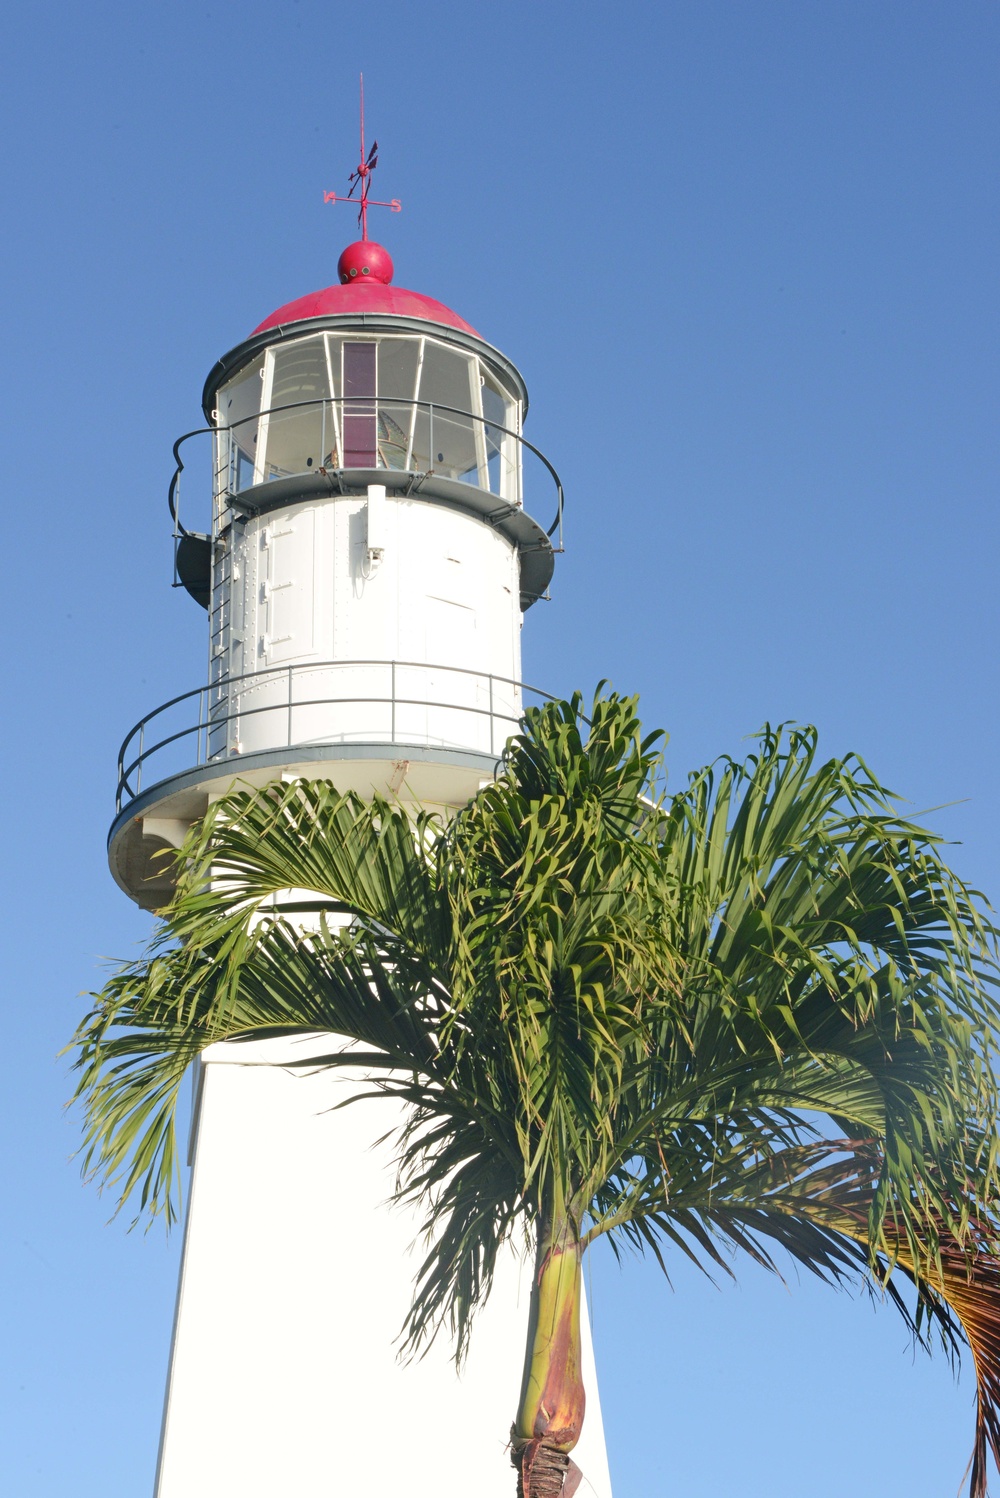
(365, 261)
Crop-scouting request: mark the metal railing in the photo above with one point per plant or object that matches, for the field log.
(262, 711)
(316, 436)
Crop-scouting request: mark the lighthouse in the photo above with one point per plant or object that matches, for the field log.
(380, 527)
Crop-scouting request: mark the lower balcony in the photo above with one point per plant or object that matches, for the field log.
(419, 732)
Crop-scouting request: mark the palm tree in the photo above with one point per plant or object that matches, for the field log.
(755, 1015)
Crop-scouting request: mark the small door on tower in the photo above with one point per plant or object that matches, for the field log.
(279, 630)
(446, 701)
(289, 542)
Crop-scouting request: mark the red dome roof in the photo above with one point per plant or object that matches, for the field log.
(365, 270)
(366, 296)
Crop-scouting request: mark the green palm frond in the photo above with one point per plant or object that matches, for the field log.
(758, 1015)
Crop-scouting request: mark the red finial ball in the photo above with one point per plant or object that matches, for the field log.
(365, 261)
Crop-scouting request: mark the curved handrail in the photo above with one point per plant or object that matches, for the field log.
(376, 401)
(205, 724)
(178, 470)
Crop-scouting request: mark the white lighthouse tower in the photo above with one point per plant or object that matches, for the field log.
(369, 563)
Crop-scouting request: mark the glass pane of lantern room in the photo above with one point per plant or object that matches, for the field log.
(397, 380)
(505, 409)
(238, 405)
(299, 426)
(360, 412)
(334, 352)
(445, 439)
(498, 414)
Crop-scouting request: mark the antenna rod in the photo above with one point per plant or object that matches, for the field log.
(364, 184)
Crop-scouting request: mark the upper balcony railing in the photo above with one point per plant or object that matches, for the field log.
(312, 705)
(413, 440)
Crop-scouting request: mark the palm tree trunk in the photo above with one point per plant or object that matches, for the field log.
(551, 1410)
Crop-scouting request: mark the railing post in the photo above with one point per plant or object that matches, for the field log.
(138, 766)
(392, 716)
(288, 742)
(490, 678)
(430, 429)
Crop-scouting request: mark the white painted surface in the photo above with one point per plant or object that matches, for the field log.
(296, 1278)
(300, 589)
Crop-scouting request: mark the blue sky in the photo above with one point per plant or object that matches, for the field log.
(745, 255)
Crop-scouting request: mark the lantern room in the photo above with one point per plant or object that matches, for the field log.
(345, 399)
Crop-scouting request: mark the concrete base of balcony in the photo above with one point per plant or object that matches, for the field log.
(145, 831)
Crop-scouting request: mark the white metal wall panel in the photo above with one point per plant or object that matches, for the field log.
(291, 591)
(305, 593)
(453, 679)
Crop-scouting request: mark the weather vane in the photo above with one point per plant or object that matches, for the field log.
(361, 176)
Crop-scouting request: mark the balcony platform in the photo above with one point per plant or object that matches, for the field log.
(415, 732)
(158, 818)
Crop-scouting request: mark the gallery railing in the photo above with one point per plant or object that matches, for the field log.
(411, 439)
(321, 703)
